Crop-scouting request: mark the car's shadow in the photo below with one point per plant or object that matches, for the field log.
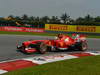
(28, 53)
(47, 51)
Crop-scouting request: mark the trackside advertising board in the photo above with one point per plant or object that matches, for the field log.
(72, 28)
(21, 29)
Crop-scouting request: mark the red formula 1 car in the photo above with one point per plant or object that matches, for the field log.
(76, 42)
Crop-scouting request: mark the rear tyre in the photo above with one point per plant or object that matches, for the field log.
(83, 46)
(41, 47)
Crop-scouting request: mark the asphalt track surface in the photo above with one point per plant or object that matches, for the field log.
(8, 46)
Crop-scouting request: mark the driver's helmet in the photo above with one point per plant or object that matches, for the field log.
(60, 35)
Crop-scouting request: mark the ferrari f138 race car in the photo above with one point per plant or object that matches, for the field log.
(75, 42)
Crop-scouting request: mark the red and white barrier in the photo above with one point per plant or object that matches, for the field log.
(38, 60)
(21, 29)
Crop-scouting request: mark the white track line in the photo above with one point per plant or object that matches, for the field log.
(3, 71)
(48, 59)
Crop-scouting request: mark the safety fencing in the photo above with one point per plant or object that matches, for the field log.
(72, 28)
(21, 29)
(56, 28)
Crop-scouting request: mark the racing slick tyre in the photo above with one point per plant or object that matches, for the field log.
(41, 47)
(83, 46)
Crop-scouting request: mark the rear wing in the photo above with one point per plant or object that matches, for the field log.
(79, 37)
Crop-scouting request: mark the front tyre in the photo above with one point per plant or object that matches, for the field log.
(41, 47)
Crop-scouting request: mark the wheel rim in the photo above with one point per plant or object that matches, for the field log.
(84, 46)
(43, 48)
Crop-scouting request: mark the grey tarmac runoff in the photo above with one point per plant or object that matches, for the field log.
(8, 46)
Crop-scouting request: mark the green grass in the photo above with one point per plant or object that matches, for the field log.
(82, 66)
(41, 34)
(93, 36)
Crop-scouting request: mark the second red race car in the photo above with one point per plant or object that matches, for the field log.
(62, 42)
